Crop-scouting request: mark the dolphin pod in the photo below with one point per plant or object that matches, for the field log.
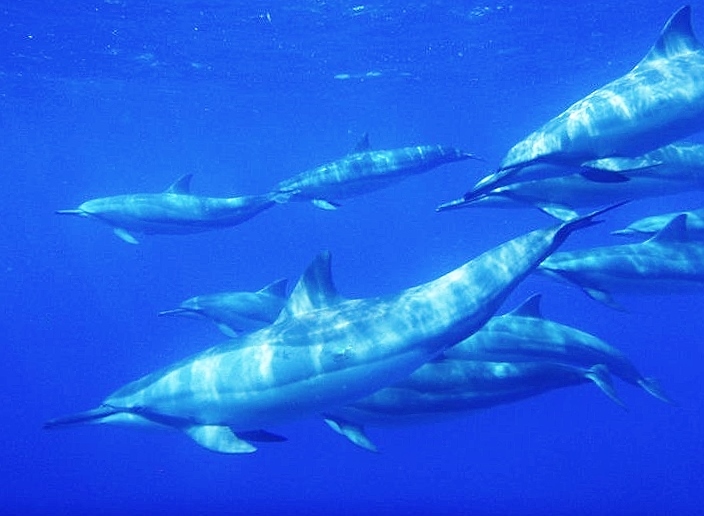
(514, 356)
(323, 351)
(175, 211)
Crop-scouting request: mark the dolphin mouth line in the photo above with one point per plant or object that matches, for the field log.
(79, 213)
(180, 311)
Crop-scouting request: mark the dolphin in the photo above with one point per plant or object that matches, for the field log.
(658, 102)
(323, 351)
(651, 225)
(512, 357)
(235, 312)
(680, 168)
(363, 171)
(175, 211)
(669, 262)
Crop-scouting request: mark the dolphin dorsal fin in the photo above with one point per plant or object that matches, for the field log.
(529, 308)
(362, 144)
(674, 231)
(315, 289)
(181, 186)
(676, 37)
(276, 288)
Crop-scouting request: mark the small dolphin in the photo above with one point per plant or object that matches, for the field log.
(236, 312)
(659, 101)
(323, 351)
(651, 225)
(174, 211)
(513, 357)
(363, 171)
(669, 262)
(680, 168)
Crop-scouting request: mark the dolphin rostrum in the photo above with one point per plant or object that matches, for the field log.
(323, 351)
(235, 312)
(513, 357)
(669, 262)
(363, 171)
(175, 211)
(658, 102)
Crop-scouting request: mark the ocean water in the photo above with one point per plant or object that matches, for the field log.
(105, 97)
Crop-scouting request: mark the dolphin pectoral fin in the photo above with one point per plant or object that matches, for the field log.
(227, 330)
(603, 176)
(262, 436)
(325, 205)
(620, 164)
(603, 297)
(559, 212)
(354, 433)
(599, 374)
(652, 387)
(218, 439)
(125, 236)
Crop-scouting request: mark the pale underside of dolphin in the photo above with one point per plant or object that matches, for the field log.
(173, 212)
(236, 312)
(648, 226)
(661, 100)
(669, 262)
(363, 171)
(675, 169)
(323, 351)
(513, 357)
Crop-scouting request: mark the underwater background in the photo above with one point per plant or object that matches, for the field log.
(99, 98)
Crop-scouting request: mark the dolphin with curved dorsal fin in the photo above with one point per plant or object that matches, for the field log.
(661, 100)
(648, 226)
(323, 351)
(175, 211)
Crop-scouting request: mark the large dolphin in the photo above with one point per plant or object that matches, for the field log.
(175, 211)
(669, 262)
(323, 351)
(651, 225)
(236, 312)
(680, 168)
(363, 171)
(658, 102)
(513, 357)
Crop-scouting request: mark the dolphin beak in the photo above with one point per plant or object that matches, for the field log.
(79, 213)
(454, 205)
(180, 312)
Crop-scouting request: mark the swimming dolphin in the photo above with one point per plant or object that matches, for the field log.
(669, 262)
(651, 225)
(323, 351)
(175, 211)
(235, 312)
(363, 171)
(512, 357)
(680, 168)
(658, 102)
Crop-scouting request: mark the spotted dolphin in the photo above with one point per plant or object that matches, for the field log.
(669, 262)
(175, 211)
(658, 102)
(363, 171)
(514, 356)
(680, 168)
(323, 351)
(236, 312)
(650, 225)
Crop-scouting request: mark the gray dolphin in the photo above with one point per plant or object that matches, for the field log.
(669, 262)
(323, 351)
(235, 312)
(175, 211)
(651, 225)
(513, 357)
(658, 102)
(679, 168)
(363, 171)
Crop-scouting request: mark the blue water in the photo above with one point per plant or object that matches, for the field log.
(117, 96)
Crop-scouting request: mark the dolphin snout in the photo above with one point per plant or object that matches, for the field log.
(79, 213)
(187, 312)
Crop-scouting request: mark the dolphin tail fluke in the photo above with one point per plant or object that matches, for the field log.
(652, 387)
(353, 432)
(599, 374)
(82, 418)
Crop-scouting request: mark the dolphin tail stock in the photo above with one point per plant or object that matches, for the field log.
(600, 375)
(96, 415)
(353, 432)
(652, 387)
(583, 221)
